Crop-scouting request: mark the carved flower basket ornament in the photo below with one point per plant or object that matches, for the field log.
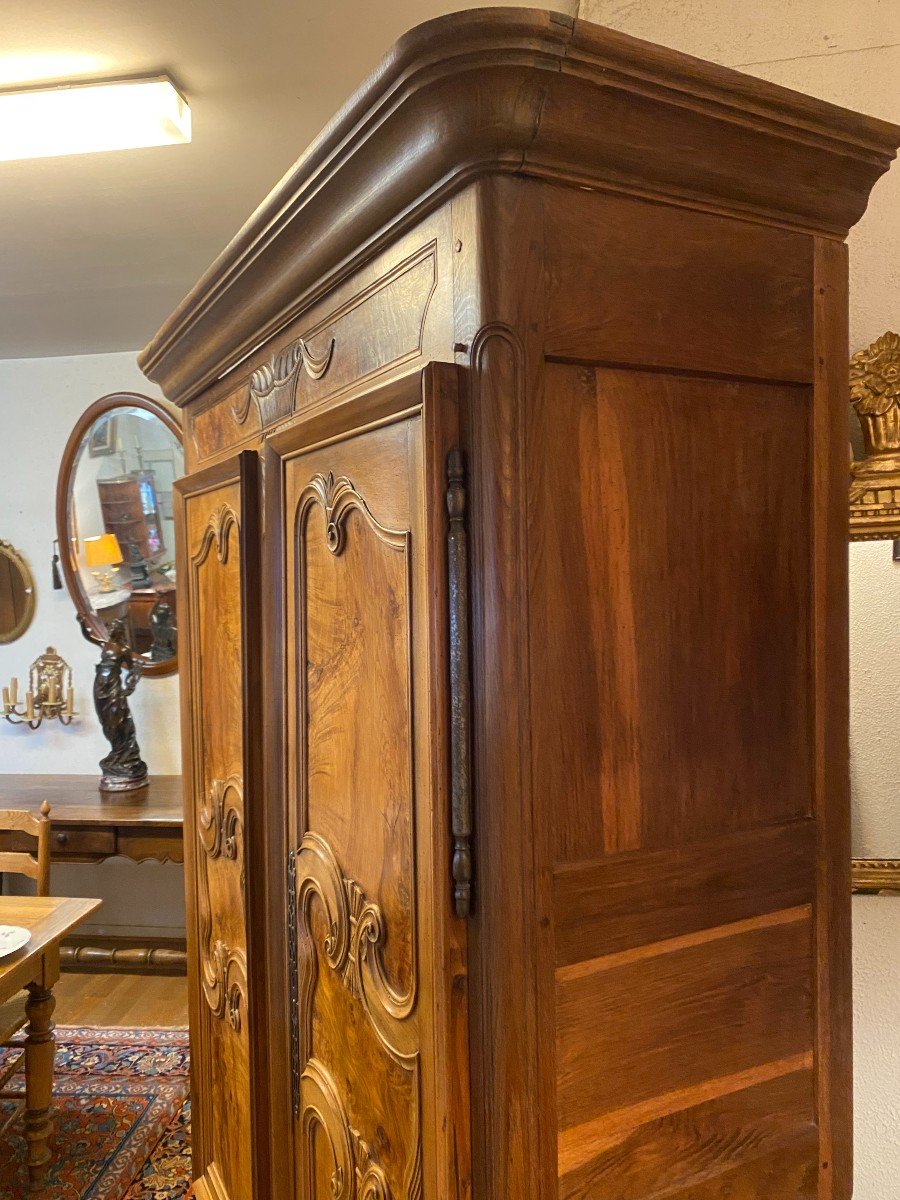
(875, 478)
(875, 394)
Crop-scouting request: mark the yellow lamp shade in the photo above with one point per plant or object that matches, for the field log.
(102, 551)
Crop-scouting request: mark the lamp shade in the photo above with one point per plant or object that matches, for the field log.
(102, 551)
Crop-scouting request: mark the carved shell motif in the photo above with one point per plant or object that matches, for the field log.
(272, 385)
(338, 497)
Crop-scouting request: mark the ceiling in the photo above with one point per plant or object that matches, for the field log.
(95, 250)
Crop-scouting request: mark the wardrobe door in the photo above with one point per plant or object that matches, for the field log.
(218, 541)
(375, 948)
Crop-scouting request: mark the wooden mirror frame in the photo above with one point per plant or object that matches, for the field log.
(8, 550)
(89, 619)
(875, 509)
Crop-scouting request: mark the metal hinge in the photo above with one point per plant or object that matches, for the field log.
(460, 686)
(294, 987)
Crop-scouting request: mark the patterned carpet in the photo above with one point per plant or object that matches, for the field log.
(122, 1119)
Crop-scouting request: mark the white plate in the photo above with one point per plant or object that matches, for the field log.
(13, 938)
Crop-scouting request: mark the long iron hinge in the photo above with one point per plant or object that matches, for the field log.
(460, 684)
(294, 987)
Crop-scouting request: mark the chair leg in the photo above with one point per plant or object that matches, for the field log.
(40, 1050)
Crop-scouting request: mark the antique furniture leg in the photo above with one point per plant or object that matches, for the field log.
(40, 1049)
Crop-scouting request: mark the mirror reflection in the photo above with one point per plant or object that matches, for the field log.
(121, 526)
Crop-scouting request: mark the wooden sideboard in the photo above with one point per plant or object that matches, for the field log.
(513, 577)
(88, 827)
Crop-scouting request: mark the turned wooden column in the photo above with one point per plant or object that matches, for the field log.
(40, 1050)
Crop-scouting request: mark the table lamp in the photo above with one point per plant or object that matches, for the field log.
(103, 551)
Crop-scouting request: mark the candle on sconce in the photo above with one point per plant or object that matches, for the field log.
(48, 693)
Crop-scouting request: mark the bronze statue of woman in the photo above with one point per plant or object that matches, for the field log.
(123, 768)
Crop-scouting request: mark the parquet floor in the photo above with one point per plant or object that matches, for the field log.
(129, 1000)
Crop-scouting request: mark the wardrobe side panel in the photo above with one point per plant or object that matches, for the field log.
(683, 770)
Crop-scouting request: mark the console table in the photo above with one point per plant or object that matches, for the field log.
(89, 827)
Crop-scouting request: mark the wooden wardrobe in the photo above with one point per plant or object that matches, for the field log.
(513, 595)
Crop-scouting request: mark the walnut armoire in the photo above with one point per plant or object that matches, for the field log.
(513, 573)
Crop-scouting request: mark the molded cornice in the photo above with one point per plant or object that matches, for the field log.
(528, 92)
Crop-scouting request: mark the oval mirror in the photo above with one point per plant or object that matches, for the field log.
(16, 593)
(116, 527)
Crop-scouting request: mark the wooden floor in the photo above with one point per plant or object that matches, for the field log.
(130, 1000)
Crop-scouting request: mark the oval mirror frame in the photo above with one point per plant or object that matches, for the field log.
(92, 623)
(14, 556)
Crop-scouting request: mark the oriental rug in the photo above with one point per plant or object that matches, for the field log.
(122, 1118)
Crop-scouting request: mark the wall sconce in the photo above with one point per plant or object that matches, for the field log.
(49, 694)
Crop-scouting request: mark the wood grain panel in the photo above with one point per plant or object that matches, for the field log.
(357, 909)
(671, 582)
(378, 329)
(788, 1174)
(610, 301)
(632, 1026)
(660, 1150)
(357, 642)
(630, 899)
(214, 428)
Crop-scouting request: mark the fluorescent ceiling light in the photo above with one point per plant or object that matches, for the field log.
(84, 118)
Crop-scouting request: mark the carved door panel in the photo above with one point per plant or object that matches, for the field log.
(375, 947)
(218, 539)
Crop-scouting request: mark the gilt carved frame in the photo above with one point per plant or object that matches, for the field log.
(875, 508)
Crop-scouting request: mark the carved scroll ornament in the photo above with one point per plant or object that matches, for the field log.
(356, 1174)
(354, 946)
(875, 478)
(224, 977)
(220, 823)
(216, 534)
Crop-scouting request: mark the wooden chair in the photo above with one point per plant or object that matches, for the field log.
(35, 865)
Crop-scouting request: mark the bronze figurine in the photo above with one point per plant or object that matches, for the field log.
(123, 768)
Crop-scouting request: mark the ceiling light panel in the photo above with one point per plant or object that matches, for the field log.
(88, 118)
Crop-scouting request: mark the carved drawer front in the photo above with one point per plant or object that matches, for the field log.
(212, 548)
(363, 1055)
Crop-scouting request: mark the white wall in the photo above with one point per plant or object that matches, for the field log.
(40, 401)
(848, 52)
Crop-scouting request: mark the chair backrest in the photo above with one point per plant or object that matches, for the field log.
(35, 865)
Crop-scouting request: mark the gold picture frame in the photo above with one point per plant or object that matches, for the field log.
(14, 569)
(875, 510)
(876, 876)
